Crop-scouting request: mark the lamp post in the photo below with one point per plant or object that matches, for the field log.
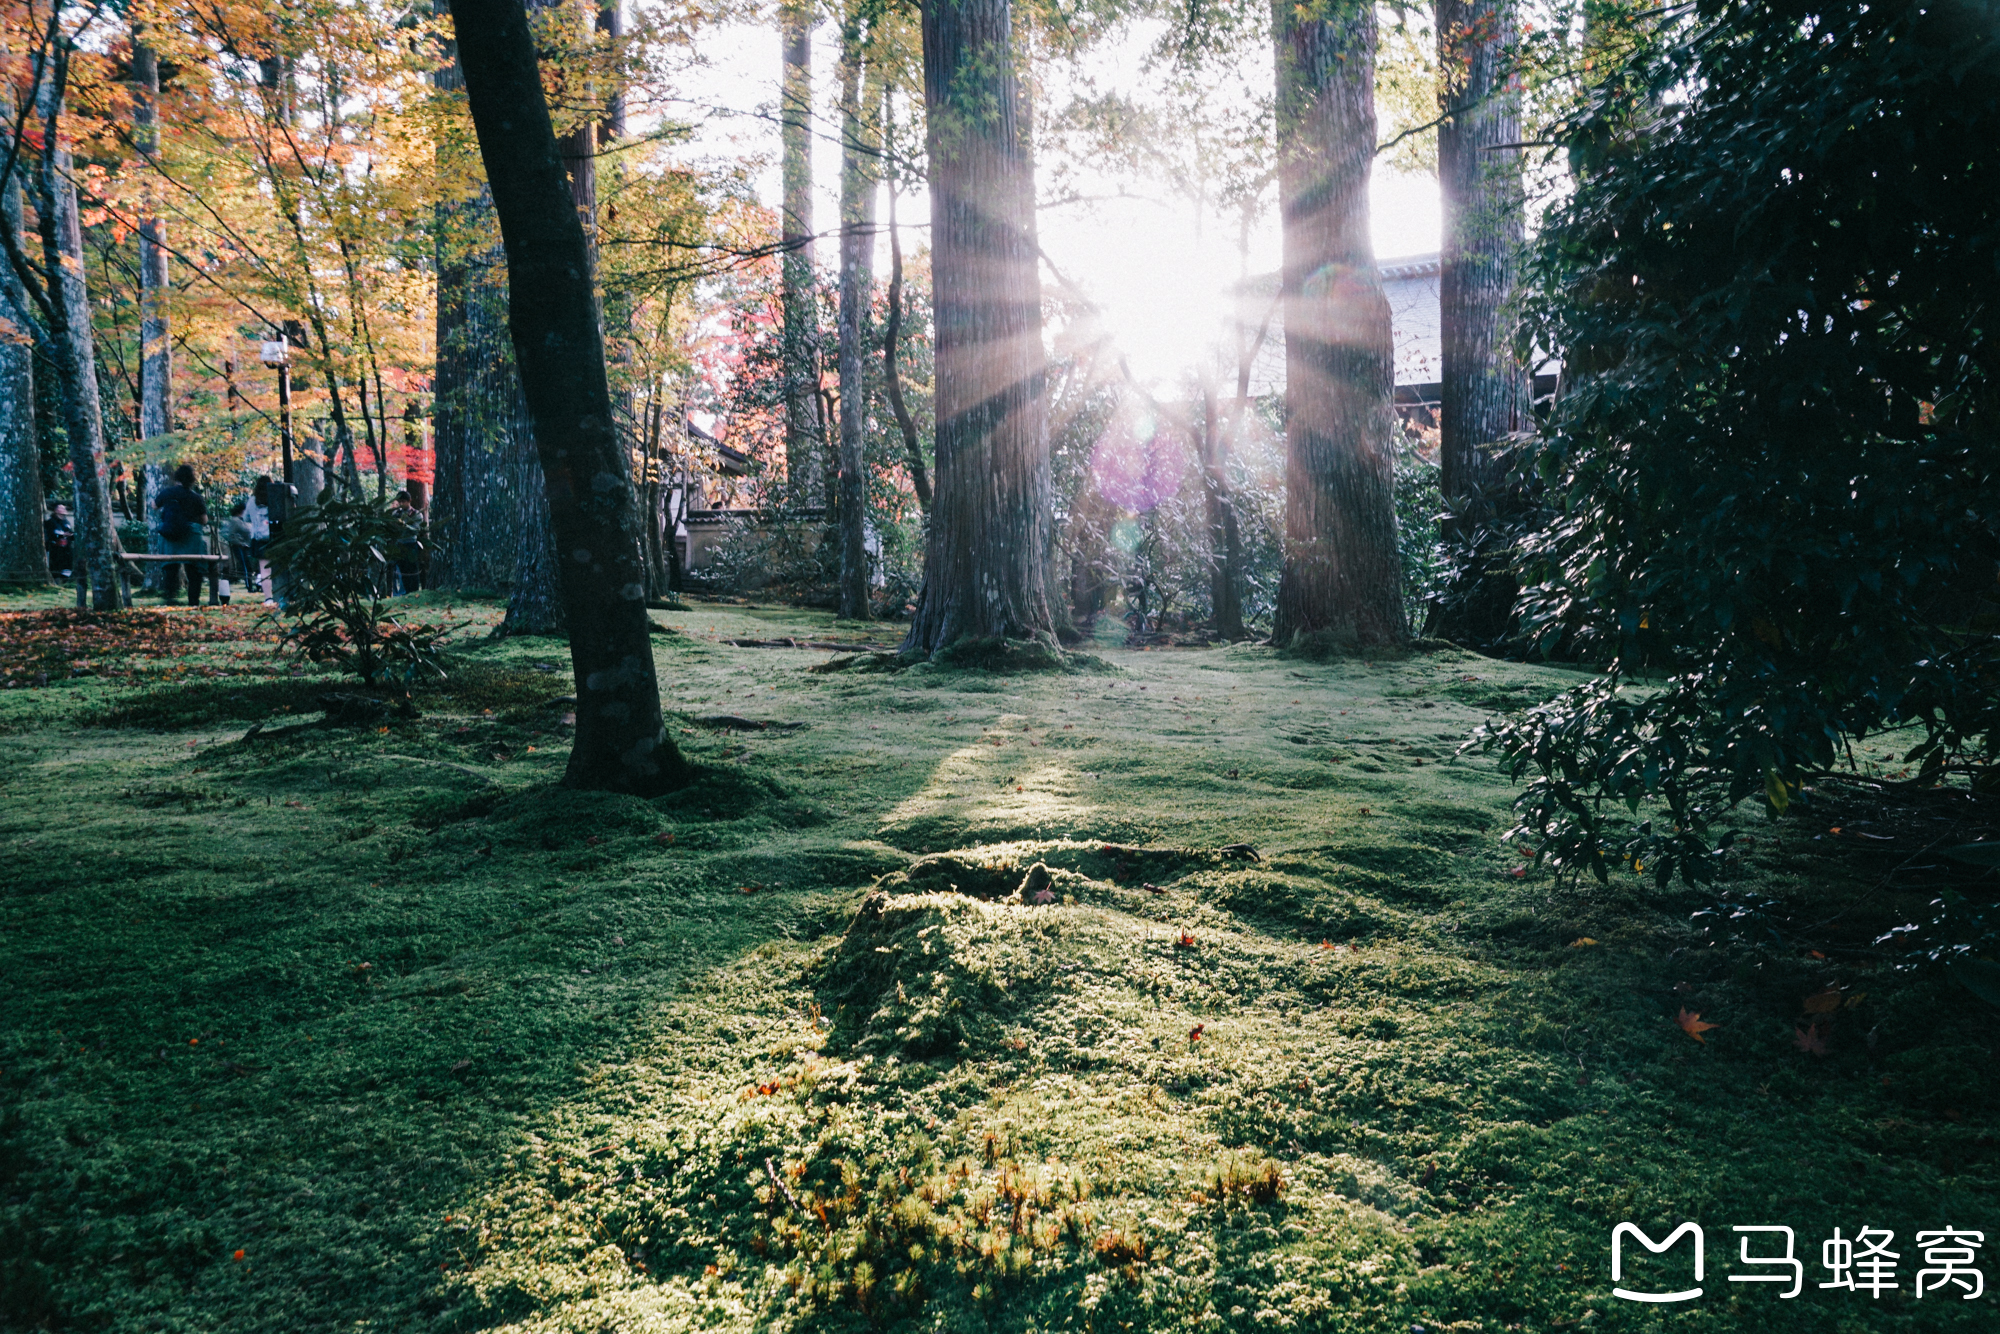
(277, 355)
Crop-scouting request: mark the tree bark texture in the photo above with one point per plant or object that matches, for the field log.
(860, 139)
(534, 607)
(799, 350)
(621, 741)
(156, 384)
(75, 356)
(156, 353)
(1225, 539)
(1484, 388)
(1342, 573)
(481, 426)
(1484, 213)
(988, 537)
(488, 506)
(24, 558)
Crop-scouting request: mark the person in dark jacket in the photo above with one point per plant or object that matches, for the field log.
(182, 513)
(59, 536)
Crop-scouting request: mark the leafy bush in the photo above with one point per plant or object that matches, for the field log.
(1418, 504)
(336, 558)
(1770, 479)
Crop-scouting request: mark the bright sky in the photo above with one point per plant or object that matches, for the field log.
(1160, 272)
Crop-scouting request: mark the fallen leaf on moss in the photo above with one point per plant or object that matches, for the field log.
(1692, 1025)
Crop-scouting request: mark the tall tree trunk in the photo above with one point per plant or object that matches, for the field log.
(1342, 574)
(1225, 541)
(800, 347)
(479, 429)
(989, 525)
(24, 557)
(75, 351)
(487, 485)
(892, 376)
(860, 136)
(1484, 387)
(156, 351)
(621, 741)
(156, 386)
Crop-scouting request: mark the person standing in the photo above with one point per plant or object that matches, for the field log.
(236, 536)
(59, 536)
(257, 513)
(182, 514)
(408, 554)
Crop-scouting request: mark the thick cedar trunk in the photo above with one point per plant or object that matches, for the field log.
(859, 137)
(24, 557)
(892, 376)
(1484, 388)
(75, 356)
(1225, 541)
(1342, 573)
(804, 463)
(535, 606)
(621, 742)
(487, 507)
(988, 538)
(480, 422)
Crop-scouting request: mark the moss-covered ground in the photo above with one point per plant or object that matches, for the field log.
(1195, 993)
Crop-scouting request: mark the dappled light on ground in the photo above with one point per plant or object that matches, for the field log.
(1207, 998)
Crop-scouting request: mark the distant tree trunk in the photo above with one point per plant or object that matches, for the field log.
(487, 491)
(892, 376)
(1225, 539)
(1484, 387)
(535, 605)
(480, 424)
(24, 558)
(75, 350)
(799, 349)
(860, 135)
(989, 525)
(621, 741)
(1342, 574)
(156, 350)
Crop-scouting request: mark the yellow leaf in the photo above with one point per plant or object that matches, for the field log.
(1580, 942)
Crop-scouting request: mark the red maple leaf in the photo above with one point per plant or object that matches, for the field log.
(1812, 1039)
(1692, 1025)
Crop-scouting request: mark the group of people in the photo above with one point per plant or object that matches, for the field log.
(180, 516)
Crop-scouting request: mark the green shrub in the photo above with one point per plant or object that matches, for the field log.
(336, 559)
(1769, 484)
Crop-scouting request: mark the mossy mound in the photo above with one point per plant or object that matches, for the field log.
(1333, 645)
(994, 653)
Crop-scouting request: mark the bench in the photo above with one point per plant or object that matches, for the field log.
(127, 560)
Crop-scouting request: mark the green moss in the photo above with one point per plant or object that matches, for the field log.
(439, 1045)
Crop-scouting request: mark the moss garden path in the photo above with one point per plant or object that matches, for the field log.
(947, 1005)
